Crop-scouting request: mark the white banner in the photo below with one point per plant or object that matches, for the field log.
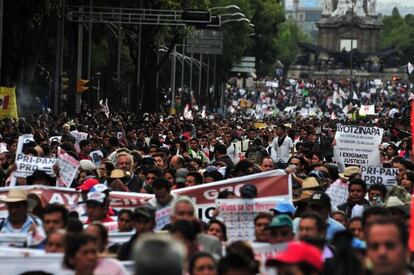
(239, 214)
(385, 176)
(26, 165)
(357, 145)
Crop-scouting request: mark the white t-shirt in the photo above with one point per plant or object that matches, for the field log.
(283, 151)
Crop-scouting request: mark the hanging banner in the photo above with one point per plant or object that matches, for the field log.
(385, 176)
(8, 103)
(274, 185)
(357, 145)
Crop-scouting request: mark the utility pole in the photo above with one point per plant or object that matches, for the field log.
(1, 36)
(78, 96)
(173, 65)
(60, 35)
(199, 78)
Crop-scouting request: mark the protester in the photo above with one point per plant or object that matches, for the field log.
(261, 227)
(55, 241)
(125, 220)
(387, 249)
(149, 251)
(144, 222)
(81, 254)
(299, 258)
(202, 263)
(18, 219)
(281, 229)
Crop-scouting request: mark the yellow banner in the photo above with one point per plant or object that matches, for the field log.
(8, 104)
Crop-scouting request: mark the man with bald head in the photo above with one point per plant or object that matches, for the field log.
(177, 162)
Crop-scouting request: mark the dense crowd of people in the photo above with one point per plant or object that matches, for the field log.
(367, 233)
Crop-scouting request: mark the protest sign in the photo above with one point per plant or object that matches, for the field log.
(79, 136)
(239, 214)
(357, 145)
(27, 164)
(385, 176)
(68, 167)
(338, 192)
(23, 139)
(96, 157)
(367, 110)
(162, 218)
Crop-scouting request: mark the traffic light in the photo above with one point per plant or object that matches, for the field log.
(81, 86)
(64, 83)
(197, 18)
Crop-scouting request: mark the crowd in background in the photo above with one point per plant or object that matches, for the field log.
(289, 126)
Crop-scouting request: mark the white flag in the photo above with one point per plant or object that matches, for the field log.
(410, 68)
(337, 100)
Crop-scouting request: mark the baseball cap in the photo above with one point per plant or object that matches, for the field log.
(284, 207)
(145, 211)
(88, 184)
(298, 252)
(95, 197)
(281, 220)
(99, 188)
(320, 198)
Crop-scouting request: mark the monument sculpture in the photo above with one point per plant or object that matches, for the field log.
(344, 21)
(349, 36)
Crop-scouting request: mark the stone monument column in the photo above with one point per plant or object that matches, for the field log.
(359, 8)
(371, 8)
(327, 7)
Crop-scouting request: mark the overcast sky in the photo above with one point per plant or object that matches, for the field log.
(409, 3)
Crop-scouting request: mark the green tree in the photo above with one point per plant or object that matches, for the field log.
(398, 32)
(287, 42)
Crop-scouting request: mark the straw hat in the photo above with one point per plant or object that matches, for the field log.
(117, 174)
(18, 195)
(304, 196)
(310, 183)
(348, 171)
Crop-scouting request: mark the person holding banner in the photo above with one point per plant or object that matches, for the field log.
(18, 219)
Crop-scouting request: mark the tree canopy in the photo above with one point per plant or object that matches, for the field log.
(399, 33)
